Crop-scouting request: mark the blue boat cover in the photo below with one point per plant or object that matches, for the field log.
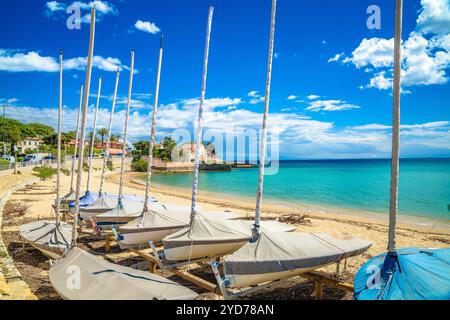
(414, 274)
(88, 199)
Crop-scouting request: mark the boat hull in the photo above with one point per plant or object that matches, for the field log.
(248, 280)
(140, 239)
(202, 250)
(52, 253)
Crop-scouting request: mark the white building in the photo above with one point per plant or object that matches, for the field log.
(28, 144)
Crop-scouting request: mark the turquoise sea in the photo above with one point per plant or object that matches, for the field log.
(424, 187)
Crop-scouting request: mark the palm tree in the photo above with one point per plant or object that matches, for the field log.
(102, 132)
(115, 138)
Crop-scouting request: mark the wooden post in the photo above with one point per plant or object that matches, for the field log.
(319, 290)
(152, 267)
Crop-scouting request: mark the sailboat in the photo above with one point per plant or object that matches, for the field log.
(124, 211)
(106, 202)
(405, 273)
(271, 256)
(98, 279)
(52, 238)
(156, 223)
(206, 238)
(90, 197)
(70, 197)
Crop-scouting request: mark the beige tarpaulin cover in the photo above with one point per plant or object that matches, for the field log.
(46, 235)
(208, 231)
(109, 202)
(173, 217)
(280, 251)
(102, 280)
(153, 220)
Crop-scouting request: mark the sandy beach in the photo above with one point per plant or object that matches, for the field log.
(39, 197)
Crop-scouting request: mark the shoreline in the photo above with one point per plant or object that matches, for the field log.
(39, 198)
(279, 207)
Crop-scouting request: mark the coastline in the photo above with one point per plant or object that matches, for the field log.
(40, 197)
(277, 207)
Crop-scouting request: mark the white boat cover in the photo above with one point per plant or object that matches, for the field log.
(279, 251)
(106, 203)
(208, 231)
(154, 220)
(102, 280)
(170, 219)
(47, 237)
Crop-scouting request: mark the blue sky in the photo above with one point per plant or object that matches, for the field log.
(331, 88)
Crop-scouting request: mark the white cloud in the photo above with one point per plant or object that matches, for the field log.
(299, 136)
(253, 94)
(330, 105)
(313, 97)
(336, 57)
(434, 16)
(291, 97)
(147, 26)
(55, 6)
(17, 61)
(425, 52)
(257, 100)
(102, 8)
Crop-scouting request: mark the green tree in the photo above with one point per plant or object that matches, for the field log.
(114, 138)
(102, 132)
(13, 131)
(167, 145)
(41, 130)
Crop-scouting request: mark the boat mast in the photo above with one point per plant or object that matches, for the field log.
(130, 87)
(263, 147)
(58, 157)
(152, 131)
(91, 151)
(83, 126)
(77, 134)
(106, 156)
(198, 142)
(392, 245)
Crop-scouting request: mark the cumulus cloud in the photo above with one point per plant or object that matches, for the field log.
(330, 105)
(299, 136)
(425, 52)
(18, 61)
(146, 26)
(55, 9)
(434, 16)
(291, 97)
(313, 97)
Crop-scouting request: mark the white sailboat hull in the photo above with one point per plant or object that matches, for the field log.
(200, 251)
(52, 254)
(248, 280)
(140, 239)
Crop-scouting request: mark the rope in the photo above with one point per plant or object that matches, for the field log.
(77, 136)
(83, 127)
(200, 116)
(105, 159)
(152, 130)
(91, 151)
(262, 154)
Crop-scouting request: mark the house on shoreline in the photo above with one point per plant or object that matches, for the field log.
(30, 144)
(183, 158)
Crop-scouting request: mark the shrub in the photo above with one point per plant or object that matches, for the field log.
(44, 173)
(140, 165)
